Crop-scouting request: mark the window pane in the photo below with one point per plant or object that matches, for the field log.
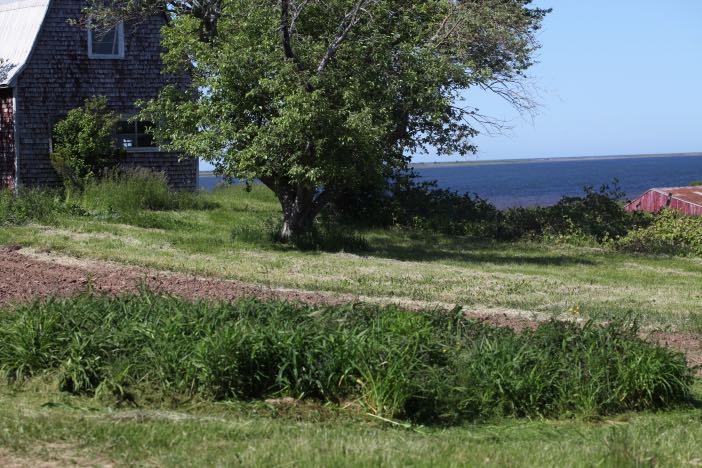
(106, 42)
(126, 141)
(126, 135)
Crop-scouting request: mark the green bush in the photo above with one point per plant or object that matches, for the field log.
(670, 233)
(84, 143)
(407, 203)
(433, 367)
(597, 215)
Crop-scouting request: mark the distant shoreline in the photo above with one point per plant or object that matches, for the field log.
(549, 160)
(438, 164)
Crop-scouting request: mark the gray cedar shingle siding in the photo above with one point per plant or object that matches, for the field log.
(59, 76)
(7, 141)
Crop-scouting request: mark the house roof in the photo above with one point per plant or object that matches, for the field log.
(691, 195)
(20, 23)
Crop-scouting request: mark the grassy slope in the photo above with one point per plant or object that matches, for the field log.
(529, 277)
(39, 425)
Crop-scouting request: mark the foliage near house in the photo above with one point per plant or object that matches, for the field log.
(84, 143)
(134, 419)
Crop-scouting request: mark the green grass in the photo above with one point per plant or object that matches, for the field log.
(230, 240)
(40, 425)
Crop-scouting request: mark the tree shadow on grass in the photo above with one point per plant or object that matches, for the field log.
(425, 254)
(414, 247)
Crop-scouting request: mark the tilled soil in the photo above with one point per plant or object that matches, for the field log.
(26, 275)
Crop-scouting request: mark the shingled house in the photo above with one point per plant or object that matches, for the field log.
(54, 66)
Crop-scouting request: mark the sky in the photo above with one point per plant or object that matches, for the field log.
(614, 77)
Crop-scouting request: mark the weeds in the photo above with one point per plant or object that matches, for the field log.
(437, 367)
(30, 204)
(671, 233)
(132, 190)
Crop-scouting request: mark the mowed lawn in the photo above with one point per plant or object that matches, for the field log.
(50, 429)
(231, 240)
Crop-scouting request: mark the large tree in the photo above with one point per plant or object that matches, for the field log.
(314, 96)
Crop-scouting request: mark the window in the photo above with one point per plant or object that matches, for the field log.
(106, 44)
(132, 135)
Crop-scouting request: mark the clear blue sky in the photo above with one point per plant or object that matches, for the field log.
(614, 77)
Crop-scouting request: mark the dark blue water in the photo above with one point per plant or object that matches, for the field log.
(545, 182)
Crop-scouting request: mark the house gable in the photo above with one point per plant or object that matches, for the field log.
(59, 75)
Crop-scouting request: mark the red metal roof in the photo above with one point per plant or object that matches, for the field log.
(687, 194)
(685, 199)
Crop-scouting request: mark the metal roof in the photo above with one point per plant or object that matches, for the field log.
(20, 23)
(691, 195)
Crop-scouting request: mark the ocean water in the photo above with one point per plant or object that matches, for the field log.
(543, 182)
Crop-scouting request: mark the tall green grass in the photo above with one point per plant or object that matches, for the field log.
(30, 204)
(136, 189)
(127, 195)
(429, 367)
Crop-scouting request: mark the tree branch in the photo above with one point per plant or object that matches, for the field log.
(297, 11)
(350, 20)
(285, 28)
(443, 25)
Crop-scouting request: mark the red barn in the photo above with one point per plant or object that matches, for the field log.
(687, 200)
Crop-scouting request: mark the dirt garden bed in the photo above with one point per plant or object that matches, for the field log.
(26, 275)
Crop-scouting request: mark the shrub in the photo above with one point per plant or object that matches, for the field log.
(433, 367)
(408, 203)
(670, 233)
(84, 143)
(598, 215)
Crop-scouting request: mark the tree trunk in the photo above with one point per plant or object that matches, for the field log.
(300, 208)
(295, 225)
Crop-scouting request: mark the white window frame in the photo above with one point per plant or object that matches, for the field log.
(120, 45)
(135, 149)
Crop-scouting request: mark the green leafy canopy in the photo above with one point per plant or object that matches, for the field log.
(84, 143)
(311, 96)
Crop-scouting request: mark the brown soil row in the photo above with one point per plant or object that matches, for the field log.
(25, 275)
